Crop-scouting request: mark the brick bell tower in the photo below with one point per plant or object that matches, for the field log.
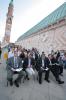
(9, 22)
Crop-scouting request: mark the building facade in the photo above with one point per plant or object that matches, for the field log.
(49, 34)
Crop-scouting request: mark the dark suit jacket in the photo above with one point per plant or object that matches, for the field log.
(25, 64)
(36, 56)
(22, 56)
(39, 63)
(54, 61)
(10, 63)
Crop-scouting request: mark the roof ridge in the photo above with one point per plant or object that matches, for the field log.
(57, 14)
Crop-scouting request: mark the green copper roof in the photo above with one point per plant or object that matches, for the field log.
(11, 2)
(55, 16)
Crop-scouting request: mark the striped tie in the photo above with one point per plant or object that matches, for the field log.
(15, 63)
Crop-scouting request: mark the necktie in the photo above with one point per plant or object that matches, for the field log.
(15, 63)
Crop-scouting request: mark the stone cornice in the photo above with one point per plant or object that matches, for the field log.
(59, 23)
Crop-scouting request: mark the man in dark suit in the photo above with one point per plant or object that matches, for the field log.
(42, 65)
(28, 64)
(54, 67)
(14, 65)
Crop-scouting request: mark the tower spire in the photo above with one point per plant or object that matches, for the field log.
(11, 2)
(9, 22)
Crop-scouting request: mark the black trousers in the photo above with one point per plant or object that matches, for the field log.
(40, 75)
(60, 69)
(55, 71)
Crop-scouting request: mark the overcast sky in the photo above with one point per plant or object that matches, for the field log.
(27, 13)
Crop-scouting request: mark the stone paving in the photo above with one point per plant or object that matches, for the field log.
(31, 90)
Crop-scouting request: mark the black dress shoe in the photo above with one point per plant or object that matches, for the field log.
(61, 74)
(11, 82)
(27, 77)
(40, 82)
(16, 83)
(60, 82)
(47, 80)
